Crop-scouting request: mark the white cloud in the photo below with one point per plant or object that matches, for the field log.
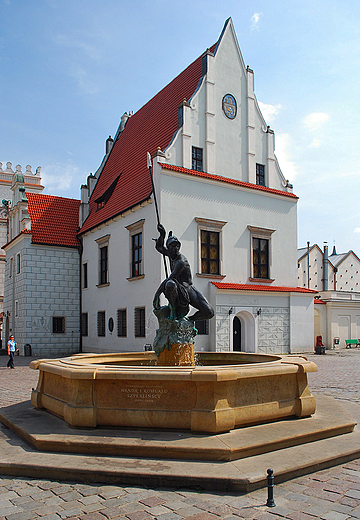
(315, 120)
(57, 178)
(269, 111)
(283, 145)
(91, 51)
(83, 81)
(255, 20)
(315, 143)
(357, 230)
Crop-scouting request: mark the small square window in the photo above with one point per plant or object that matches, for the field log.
(101, 323)
(58, 324)
(202, 326)
(84, 324)
(121, 323)
(140, 322)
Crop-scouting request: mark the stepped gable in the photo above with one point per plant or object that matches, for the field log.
(54, 220)
(150, 127)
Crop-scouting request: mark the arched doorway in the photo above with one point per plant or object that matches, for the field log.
(236, 334)
(244, 332)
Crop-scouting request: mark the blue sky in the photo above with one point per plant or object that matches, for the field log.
(70, 68)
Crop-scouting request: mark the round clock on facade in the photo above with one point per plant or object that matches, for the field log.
(229, 106)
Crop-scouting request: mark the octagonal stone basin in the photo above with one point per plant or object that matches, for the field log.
(224, 391)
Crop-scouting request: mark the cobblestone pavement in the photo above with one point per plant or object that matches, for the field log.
(332, 494)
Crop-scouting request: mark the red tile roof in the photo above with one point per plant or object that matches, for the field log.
(226, 180)
(268, 288)
(151, 127)
(54, 220)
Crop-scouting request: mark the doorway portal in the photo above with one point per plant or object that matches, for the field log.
(236, 334)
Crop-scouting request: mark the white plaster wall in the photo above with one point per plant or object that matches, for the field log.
(239, 143)
(348, 277)
(316, 270)
(239, 208)
(121, 293)
(301, 323)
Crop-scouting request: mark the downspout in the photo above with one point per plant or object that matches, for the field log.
(80, 249)
(326, 268)
(308, 265)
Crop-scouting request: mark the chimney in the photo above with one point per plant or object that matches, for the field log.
(109, 144)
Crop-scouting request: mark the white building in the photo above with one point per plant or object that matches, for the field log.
(221, 191)
(32, 184)
(337, 305)
(42, 282)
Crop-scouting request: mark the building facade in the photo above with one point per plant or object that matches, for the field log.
(221, 191)
(42, 280)
(337, 305)
(33, 184)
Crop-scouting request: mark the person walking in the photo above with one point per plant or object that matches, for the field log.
(11, 345)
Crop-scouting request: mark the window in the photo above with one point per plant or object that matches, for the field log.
(139, 322)
(58, 324)
(121, 323)
(101, 323)
(18, 263)
(11, 267)
(136, 249)
(210, 252)
(103, 265)
(260, 243)
(16, 309)
(103, 244)
(209, 239)
(84, 324)
(260, 258)
(260, 174)
(136, 254)
(85, 276)
(197, 159)
(202, 327)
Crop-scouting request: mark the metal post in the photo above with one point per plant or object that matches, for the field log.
(149, 164)
(270, 486)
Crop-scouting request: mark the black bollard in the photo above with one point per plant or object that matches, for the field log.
(270, 486)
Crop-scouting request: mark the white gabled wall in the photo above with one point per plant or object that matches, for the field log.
(231, 147)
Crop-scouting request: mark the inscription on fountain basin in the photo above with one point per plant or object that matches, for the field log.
(147, 394)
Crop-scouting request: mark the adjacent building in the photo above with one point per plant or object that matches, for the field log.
(33, 184)
(337, 305)
(42, 280)
(221, 191)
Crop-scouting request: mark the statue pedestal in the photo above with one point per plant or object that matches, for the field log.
(181, 354)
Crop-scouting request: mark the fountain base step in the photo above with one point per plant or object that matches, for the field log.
(19, 458)
(47, 432)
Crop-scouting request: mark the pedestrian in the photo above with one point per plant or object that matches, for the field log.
(11, 345)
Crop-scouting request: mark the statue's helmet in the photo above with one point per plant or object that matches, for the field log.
(172, 239)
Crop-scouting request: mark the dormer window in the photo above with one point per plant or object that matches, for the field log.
(101, 201)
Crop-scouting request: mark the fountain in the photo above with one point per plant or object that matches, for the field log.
(164, 388)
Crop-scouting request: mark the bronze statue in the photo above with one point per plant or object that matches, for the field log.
(178, 287)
